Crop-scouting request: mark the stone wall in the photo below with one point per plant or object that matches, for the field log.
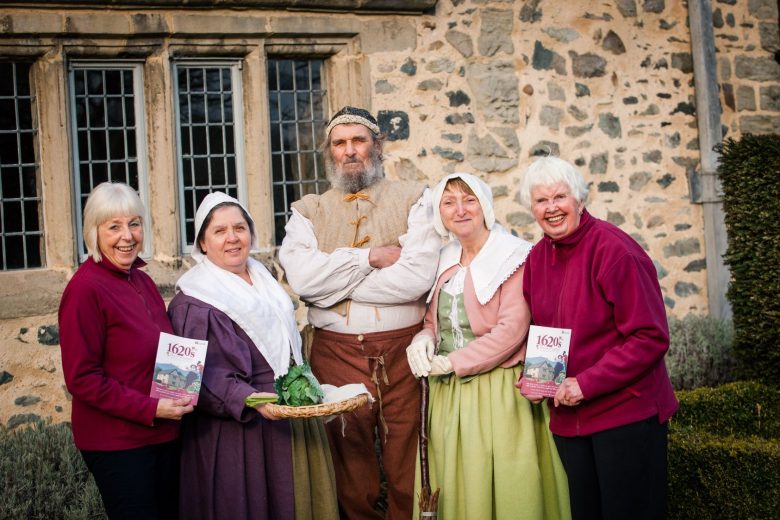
(608, 86)
(480, 86)
(748, 43)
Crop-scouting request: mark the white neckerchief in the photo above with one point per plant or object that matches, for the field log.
(500, 256)
(455, 285)
(263, 310)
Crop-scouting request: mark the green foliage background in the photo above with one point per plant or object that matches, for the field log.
(749, 171)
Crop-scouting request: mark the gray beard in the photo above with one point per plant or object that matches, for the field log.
(353, 183)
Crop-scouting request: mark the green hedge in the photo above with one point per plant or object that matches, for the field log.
(749, 171)
(723, 478)
(724, 453)
(740, 409)
(42, 475)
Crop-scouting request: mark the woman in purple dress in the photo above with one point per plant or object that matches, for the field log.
(239, 462)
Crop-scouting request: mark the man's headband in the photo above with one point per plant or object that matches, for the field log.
(352, 115)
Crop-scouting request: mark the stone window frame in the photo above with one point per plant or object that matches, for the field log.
(38, 290)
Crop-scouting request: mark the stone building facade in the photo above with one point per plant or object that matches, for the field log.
(480, 86)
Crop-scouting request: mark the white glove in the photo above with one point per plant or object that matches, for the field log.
(441, 366)
(419, 355)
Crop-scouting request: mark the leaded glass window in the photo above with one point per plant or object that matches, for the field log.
(21, 231)
(209, 134)
(297, 120)
(107, 122)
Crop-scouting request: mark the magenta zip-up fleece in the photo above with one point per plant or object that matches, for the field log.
(601, 284)
(110, 321)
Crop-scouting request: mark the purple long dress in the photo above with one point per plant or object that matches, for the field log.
(234, 463)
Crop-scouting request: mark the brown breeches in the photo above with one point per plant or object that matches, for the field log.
(377, 360)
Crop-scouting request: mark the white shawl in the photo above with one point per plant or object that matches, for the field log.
(263, 310)
(500, 256)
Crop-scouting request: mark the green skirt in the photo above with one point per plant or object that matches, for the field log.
(491, 452)
(313, 477)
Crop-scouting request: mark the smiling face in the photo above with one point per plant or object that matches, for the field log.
(120, 239)
(227, 240)
(556, 210)
(461, 214)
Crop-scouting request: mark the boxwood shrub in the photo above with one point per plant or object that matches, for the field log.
(724, 453)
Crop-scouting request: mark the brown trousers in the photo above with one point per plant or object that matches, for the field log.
(377, 360)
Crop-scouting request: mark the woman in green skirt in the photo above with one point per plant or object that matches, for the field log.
(491, 453)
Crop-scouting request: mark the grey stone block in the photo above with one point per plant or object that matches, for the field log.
(770, 98)
(757, 69)
(394, 124)
(627, 8)
(461, 41)
(763, 124)
(683, 289)
(409, 67)
(22, 418)
(27, 400)
(763, 9)
(610, 125)
(746, 98)
(613, 43)
(639, 180)
(550, 116)
(588, 65)
(683, 247)
(654, 6)
(495, 32)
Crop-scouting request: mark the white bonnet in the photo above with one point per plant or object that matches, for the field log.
(478, 186)
(208, 203)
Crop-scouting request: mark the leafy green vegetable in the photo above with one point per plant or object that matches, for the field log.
(298, 387)
(254, 401)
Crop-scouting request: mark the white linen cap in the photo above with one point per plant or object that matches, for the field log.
(478, 186)
(209, 202)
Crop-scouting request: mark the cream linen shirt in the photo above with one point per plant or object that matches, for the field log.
(382, 299)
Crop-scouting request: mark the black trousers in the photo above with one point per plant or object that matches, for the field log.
(138, 483)
(619, 473)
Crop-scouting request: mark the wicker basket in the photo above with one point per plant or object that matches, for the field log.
(316, 410)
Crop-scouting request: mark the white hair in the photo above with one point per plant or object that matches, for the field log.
(547, 171)
(106, 201)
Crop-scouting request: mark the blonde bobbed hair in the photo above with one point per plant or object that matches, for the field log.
(106, 201)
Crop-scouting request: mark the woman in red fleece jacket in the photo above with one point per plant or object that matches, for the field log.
(111, 315)
(611, 412)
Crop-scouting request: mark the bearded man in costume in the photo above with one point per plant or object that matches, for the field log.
(363, 256)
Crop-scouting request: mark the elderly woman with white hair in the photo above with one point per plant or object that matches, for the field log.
(611, 412)
(110, 318)
(240, 462)
(490, 450)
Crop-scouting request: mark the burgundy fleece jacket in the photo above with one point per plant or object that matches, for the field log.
(601, 284)
(110, 321)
